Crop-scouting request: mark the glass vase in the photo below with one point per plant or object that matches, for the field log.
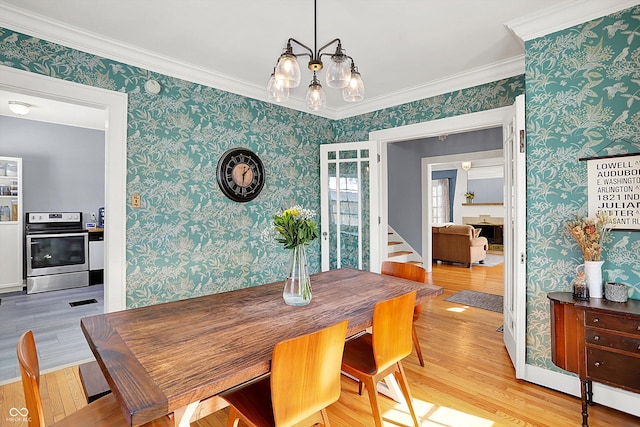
(297, 287)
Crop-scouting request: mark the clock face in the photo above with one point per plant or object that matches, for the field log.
(240, 174)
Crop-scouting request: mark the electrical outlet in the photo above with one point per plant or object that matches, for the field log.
(135, 200)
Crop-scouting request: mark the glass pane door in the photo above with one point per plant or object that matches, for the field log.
(346, 171)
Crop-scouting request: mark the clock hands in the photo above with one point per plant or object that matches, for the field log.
(244, 173)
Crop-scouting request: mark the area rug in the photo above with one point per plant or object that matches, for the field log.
(490, 261)
(478, 299)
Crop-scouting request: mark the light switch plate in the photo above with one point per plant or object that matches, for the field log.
(135, 200)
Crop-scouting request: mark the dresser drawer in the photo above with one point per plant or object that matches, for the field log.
(615, 323)
(613, 368)
(612, 340)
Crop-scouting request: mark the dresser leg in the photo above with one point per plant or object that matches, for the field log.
(585, 387)
(590, 393)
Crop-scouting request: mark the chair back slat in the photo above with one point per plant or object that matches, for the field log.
(405, 271)
(305, 374)
(392, 322)
(30, 372)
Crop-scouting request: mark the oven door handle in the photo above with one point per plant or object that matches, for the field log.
(50, 235)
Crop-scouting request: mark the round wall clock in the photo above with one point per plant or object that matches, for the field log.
(240, 174)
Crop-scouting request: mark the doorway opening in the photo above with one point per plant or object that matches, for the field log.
(114, 107)
(451, 125)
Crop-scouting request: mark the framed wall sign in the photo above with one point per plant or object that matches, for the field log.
(614, 187)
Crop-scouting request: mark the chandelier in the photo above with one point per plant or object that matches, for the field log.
(341, 73)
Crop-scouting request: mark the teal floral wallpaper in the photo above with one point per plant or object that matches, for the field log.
(583, 99)
(188, 239)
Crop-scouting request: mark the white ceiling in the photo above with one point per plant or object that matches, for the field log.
(52, 111)
(404, 49)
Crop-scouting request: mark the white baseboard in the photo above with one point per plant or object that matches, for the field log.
(566, 383)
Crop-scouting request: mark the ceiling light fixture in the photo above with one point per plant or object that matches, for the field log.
(19, 108)
(466, 165)
(342, 72)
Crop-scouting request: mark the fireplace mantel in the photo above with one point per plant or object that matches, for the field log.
(482, 220)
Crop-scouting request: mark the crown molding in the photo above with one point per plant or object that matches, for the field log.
(474, 77)
(564, 16)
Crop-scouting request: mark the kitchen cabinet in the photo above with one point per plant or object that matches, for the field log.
(11, 225)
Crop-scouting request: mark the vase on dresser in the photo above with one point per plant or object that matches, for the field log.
(593, 270)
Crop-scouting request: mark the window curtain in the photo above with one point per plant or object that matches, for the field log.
(440, 204)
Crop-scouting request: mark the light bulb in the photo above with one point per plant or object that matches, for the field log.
(354, 91)
(316, 99)
(287, 71)
(338, 71)
(276, 91)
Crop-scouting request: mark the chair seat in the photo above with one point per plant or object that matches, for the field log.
(104, 412)
(254, 401)
(358, 355)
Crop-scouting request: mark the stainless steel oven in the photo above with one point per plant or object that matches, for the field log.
(57, 251)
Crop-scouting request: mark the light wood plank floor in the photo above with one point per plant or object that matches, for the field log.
(467, 381)
(55, 325)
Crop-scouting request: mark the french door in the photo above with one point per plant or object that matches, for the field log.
(515, 292)
(349, 208)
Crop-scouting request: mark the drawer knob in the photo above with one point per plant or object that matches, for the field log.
(596, 338)
(596, 320)
(598, 364)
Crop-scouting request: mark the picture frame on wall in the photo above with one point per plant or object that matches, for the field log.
(614, 187)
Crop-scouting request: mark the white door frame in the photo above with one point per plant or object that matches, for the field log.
(450, 125)
(115, 106)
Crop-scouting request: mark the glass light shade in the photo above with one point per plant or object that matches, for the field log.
(287, 70)
(339, 71)
(354, 91)
(466, 165)
(277, 92)
(316, 99)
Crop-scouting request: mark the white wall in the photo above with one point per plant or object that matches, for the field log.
(63, 166)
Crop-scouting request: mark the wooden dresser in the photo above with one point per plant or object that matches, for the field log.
(597, 339)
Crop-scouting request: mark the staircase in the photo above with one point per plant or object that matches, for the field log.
(400, 250)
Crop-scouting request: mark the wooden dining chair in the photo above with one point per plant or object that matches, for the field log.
(103, 412)
(373, 356)
(417, 274)
(304, 380)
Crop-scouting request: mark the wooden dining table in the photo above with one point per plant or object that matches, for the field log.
(166, 358)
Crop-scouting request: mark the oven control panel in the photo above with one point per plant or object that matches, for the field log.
(53, 217)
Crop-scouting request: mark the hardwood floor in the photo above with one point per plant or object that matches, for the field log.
(467, 381)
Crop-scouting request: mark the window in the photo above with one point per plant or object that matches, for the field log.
(440, 194)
